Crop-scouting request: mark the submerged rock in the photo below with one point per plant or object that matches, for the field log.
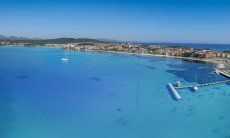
(221, 117)
(96, 79)
(149, 67)
(215, 130)
(122, 121)
(22, 77)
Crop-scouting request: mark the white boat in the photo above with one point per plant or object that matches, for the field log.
(66, 59)
(195, 88)
(221, 66)
(179, 84)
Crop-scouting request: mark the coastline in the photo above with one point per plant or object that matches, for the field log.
(218, 71)
(156, 55)
(215, 62)
(140, 54)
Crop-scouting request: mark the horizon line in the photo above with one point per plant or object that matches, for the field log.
(115, 40)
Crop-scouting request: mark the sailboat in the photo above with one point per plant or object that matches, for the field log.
(195, 87)
(65, 58)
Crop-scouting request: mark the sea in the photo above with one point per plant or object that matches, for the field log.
(217, 47)
(107, 95)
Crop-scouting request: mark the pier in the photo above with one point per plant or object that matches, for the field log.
(174, 92)
(203, 85)
(222, 73)
(176, 95)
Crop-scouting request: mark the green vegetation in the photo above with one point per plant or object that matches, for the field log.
(182, 47)
(52, 41)
(226, 51)
(187, 54)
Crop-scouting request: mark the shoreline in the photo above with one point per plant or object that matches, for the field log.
(119, 52)
(216, 62)
(139, 54)
(154, 55)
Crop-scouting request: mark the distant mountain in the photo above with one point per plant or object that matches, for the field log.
(13, 38)
(109, 40)
(68, 40)
(3, 37)
(45, 41)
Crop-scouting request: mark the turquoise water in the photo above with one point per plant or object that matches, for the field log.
(106, 95)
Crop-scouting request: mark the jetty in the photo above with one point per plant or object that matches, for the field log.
(174, 92)
(203, 85)
(176, 95)
(222, 73)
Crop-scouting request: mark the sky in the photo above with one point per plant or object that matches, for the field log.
(174, 21)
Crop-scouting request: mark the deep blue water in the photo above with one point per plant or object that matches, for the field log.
(218, 47)
(107, 95)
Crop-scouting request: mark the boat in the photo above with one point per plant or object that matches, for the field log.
(66, 59)
(195, 88)
(179, 84)
(221, 66)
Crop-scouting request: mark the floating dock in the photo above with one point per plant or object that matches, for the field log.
(174, 92)
(203, 85)
(174, 87)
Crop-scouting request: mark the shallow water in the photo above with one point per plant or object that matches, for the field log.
(106, 95)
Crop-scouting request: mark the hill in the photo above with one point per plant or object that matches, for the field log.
(45, 41)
